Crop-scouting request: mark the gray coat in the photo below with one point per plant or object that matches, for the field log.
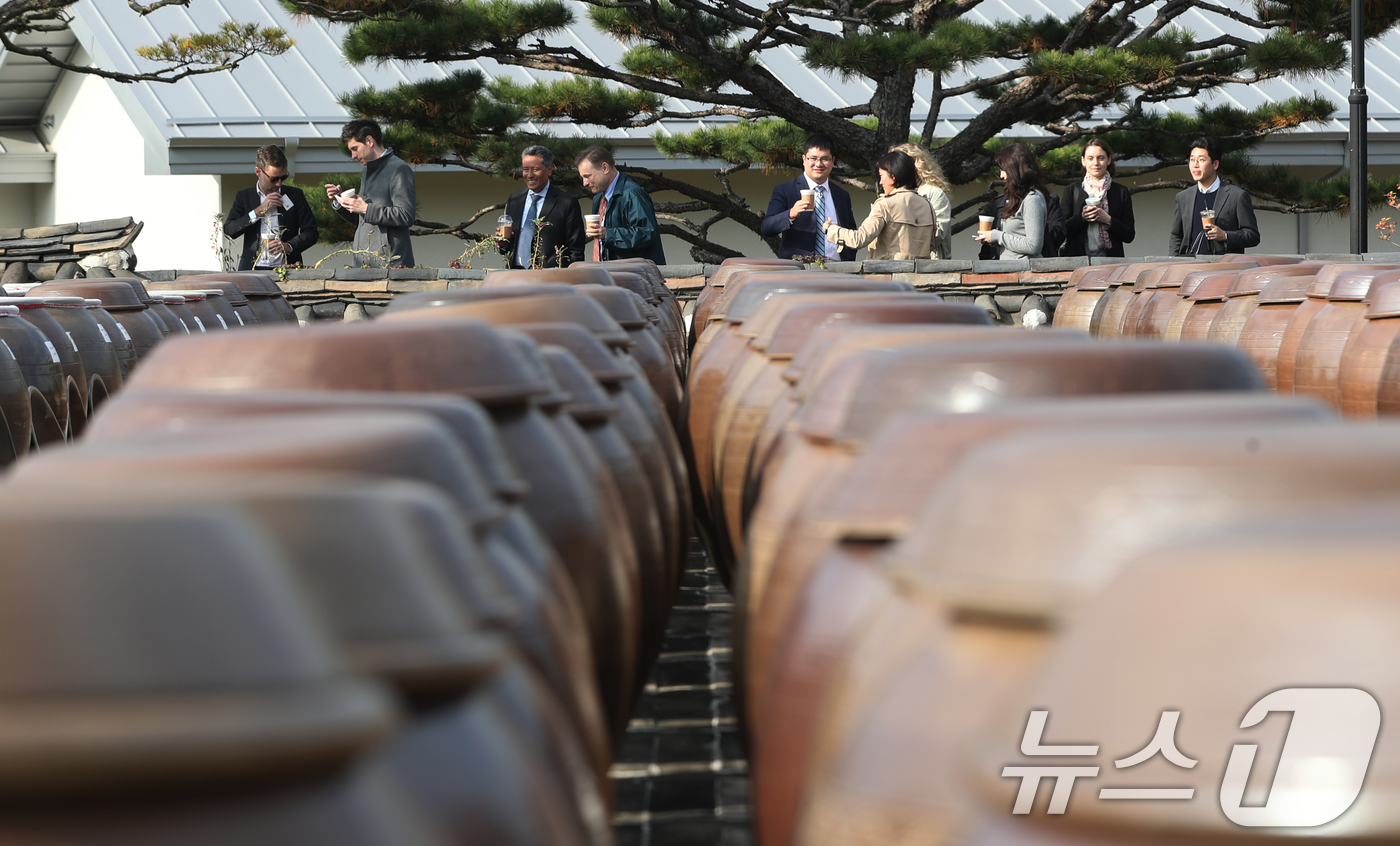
(389, 187)
(1234, 212)
(1022, 235)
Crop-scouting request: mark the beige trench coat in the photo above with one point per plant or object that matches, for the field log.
(901, 226)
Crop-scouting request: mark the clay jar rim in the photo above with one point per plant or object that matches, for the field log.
(792, 332)
(232, 295)
(570, 308)
(1212, 288)
(754, 294)
(115, 295)
(773, 321)
(584, 345)
(251, 284)
(1355, 287)
(618, 302)
(1194, 279)
(1282, 290)
(1385, 300)
(23, 302)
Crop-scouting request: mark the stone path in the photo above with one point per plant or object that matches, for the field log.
(681, 776)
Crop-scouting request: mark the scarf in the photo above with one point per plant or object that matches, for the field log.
(1099, 188)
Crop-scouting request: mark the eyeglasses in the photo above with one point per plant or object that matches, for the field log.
(275, 179)
(823, 160)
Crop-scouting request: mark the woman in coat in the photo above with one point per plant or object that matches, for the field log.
(1022, 232)
(901, 225)
(933, 186)
(1098, 211)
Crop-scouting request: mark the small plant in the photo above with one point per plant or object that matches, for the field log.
(385, 259)
(1386, 226)
(464, 261)
(222, 245)
(536, 259)
(812, 258)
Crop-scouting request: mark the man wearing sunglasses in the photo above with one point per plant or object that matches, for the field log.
(272, 216)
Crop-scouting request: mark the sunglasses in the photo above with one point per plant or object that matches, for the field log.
(270, 178)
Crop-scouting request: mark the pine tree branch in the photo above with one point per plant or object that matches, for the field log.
(1224, 12)
(151, 7)
(1092, 14)
(174, 73)
(428, 227)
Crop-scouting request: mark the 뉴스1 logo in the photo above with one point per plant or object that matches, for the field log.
(1320, 771)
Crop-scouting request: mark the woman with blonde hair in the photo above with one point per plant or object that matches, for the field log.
(933, 186)
(901, 224)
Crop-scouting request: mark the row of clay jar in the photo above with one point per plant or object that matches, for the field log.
(944, 529)
(385, 582)
(70, 344)
(1318, 329)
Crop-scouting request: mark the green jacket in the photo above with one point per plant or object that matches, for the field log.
(630, 225)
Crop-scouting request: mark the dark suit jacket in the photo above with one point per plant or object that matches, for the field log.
(1234, 212)
(298, 225)
(1054, 228)
(564, 228)
(1121, 231)
(800, 235)
(630, 229)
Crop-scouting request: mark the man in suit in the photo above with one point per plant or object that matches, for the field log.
(1234, 227)
(797, 220)
(386, 206)
(556, 243)
(627, 221)
(276, 223)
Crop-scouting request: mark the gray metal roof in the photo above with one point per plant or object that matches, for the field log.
(208, 122)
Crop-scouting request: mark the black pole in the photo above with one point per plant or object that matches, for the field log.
(1357, 140)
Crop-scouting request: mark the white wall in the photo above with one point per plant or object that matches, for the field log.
(99, 173)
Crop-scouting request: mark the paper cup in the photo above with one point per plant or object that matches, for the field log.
(1092, 201)
(984, 223)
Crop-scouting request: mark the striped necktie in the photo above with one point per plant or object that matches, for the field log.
(602, 217)
(820, 212)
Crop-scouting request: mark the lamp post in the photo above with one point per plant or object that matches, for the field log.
(1357, 139)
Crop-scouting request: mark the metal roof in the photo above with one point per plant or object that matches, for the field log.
(207, 123)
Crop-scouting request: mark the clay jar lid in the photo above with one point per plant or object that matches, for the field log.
(761, 325)
(623, 305)
(1254, 280)
(115, 295)
(1259, 260)
(556, 397)
(135, 411)
(969, 377)
(828, 345)
(800, 323)
(1328, 274)
(9, 311)
(1171, 275)
(588, 350)
(1355, 286)
(1285, 289)
(1088, 274)
(753, 294)
(251, 284)
(432, 299)
(1196, 277)
(149, 649)
(1212, 287)
(63, 302)
(232, 294)
(546, 276)
(1385, 298)
(877, 502)
(1126, 659)
(1193, 477)
(730, 266)
(23, 302)
(427, 354)
(553, 308)
(588, 403)
(588, 273)
(637, 284)
(740, 278)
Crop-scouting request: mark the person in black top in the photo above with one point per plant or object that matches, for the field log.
(273, 217)
(1231, 226)
(1098, 211)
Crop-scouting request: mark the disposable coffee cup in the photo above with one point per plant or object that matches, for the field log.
(1092, 201)
(591, 219)
(806, 194)
(984, 223)
(1208, 217)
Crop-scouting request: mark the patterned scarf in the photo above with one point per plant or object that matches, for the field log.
(1099, 188)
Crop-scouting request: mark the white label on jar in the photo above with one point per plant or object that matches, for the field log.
(221, 320)
(198, 322)
(53, 350)
(240, 319)
(71, 341)
(122, 329)
(8, 350)
(105, 336)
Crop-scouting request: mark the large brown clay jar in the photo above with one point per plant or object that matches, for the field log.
(1364, 359)
(68, 406)
(1317, 369)
(1263, 329)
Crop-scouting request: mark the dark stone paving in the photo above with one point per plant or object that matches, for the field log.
(681, 776)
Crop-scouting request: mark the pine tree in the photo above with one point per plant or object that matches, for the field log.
(1125, 57)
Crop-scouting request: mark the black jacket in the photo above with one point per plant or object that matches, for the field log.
(800, 236)
(1234, 213)
(298, 225)
(563, 229)
(1121, 231)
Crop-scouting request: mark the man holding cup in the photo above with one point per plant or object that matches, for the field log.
(798, 208)
(1212, 217)
(272, 216)
(623, 221)
(546, 226)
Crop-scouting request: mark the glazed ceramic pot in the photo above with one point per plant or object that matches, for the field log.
(121, 339)
(67, 406)
(18, 426)
(137, 324)
(579, 274)
(1206, 303)
(97, 349)
(238, 313)
(1263, 329)
(265, 298)
(1318, 363)
(1364, 359)
(47, 388)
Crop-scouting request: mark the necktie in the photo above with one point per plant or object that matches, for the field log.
(602, 218)
(820, 212)
(525, 246)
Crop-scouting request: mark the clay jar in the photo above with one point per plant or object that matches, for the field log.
(1161, 288)
(877, 505)
(649, 346)
(120, 338)
(1242, 298)
(662, 297)
(208, 305)
(719, 280)
(67, 406)
(14, 396)
(466, 357)
(1364, 359)
(238, 313)
(96, 347)
(735, 282)
(1237, 654)
(1075, 309)
(1206, 303)
(119, 300)
(579, 274)
(265, 298)
(43, 375)
(1328, 276)
(198, 662)
(545, 621)
(185, 320)
(1111, 309)
(1176, 319)
(1263, 329)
